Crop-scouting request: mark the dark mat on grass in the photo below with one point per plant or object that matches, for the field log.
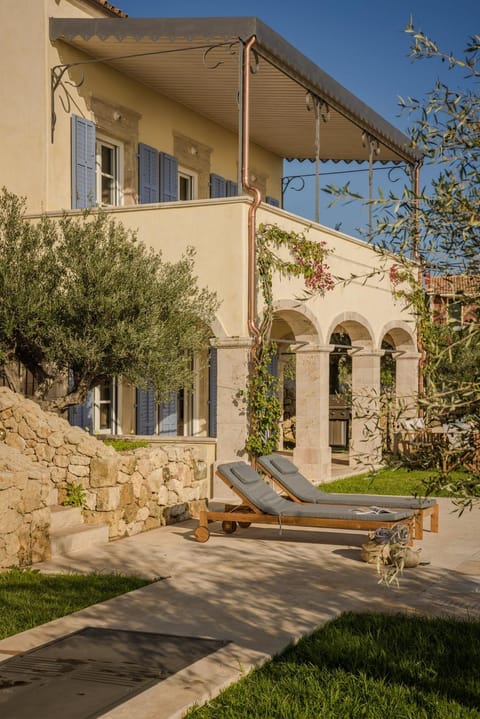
(84, 674)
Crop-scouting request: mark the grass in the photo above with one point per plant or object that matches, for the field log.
(368, 666)
(125, 445)
(399, 481)
(28, 598)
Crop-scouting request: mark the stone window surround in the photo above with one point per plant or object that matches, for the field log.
(120, 123)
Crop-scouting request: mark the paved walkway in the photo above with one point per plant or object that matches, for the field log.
(259, 590)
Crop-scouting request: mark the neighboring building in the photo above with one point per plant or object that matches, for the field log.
(179, 127)
(454, 298)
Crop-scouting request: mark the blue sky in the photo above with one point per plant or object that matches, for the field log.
(361, 43)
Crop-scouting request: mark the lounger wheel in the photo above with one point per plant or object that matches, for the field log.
(244, 525)
(202, 534)
(229, 527)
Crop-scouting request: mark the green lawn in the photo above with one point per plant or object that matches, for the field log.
(368, 666)
(389, 481)
(28, 598)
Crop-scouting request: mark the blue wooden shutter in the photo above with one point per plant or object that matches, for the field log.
(83, 162)
(146, 415)
(168, 415)
(212, 392)
(231, 189)
(168, 178)
(272, 201)
(218, 186)
(81, 415)
(148, 180)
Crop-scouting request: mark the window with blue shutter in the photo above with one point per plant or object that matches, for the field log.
(168, 178)
(148, 174)
(168, 415)
(83, 163)
(218, 186)
(146, 411)
(272, 201)
(212, 392)
(231, 189)
(81, 415)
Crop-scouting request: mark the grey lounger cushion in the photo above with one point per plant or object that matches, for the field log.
(288, 476)
(249, 483)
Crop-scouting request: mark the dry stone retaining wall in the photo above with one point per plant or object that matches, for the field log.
(132, 492)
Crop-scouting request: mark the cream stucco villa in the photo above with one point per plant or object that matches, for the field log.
(179, 128)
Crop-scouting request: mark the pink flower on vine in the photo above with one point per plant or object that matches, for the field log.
(394, 275)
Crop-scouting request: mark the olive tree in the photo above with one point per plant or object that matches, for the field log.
(83, 300)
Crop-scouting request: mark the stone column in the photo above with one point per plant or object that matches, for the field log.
(312, 453)
(406, 384)
(232, 376)
(366, 440)
(406, 392)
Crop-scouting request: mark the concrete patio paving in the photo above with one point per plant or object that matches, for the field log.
(259, 590)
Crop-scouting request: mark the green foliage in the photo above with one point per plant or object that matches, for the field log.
(264, 405)
(101, 305)
(75, 495)
(125, 445)
(364, 665)
(290, 254)
(29, 598)
(439, 228)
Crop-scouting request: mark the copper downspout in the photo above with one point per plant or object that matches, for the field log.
(254, 191)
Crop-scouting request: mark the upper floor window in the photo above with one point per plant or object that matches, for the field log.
(187, 184)
(108, 172)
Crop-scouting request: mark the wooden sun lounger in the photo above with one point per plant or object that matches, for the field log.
(299, 489)
(261, 505)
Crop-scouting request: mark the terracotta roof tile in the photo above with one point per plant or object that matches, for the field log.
(109, 7)
(452, 284)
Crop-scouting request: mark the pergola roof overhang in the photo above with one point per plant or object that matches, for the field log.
(195, 61)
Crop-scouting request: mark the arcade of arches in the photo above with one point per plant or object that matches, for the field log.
(332, 388)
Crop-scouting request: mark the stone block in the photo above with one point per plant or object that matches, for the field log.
(32, 498)
(14, 440)
(25, 431)
(200, 470)
(128, 463)
(58, 474)
(7, 399)
(80, 460)
(10, 520)
(108, 499)
(77, 471)
(123, 478)
(163, 495)
(55, 439)
(142, 514)
(103, 471)
(154, 481)
(196, 507)
(44, 453)
(126, 495)
(61, 460)
(154, 510)
(130, 513)
(144, 466)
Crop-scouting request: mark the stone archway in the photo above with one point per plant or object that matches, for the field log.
(295, 329)
(365, 436)
(406, 358)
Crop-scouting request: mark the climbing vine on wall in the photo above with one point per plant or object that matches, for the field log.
(290, 254)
